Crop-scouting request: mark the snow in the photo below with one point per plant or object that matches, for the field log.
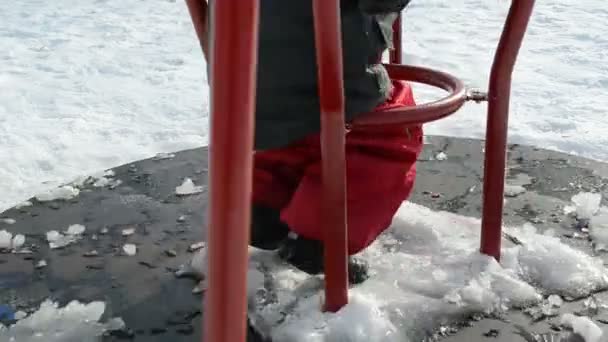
(75, 229)
(129, 249)
(76, 322)
(72, 234)
(585, 205)
(514, 190)
(5, 239)
(65, 192)
(128, 232)
(188, 188)
(441, 156)
(18, 241)
(79, 82)
(599, 229)
(8, 221)
(426, 272)
(582, 326)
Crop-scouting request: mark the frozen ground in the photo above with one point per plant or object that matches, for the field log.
(427, 273)
(87, 85)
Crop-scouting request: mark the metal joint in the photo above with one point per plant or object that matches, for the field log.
(477, 95)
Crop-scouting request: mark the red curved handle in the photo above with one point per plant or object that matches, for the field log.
(420, 113)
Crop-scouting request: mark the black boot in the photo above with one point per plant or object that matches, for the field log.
(307, 256)
(267, 230)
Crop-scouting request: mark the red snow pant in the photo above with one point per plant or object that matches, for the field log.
(380, 173)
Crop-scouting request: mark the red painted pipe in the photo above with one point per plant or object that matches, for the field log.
(198, 10)
(497, 124)
(328, 41)
(233, 57)
(396, 54)
(421, 113)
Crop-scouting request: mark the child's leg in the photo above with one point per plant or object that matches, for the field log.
(276, 175)
(380, 176)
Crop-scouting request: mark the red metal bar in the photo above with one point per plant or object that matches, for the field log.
(198, 13)
(328, 41)
(233, 58)
(424, 112)
(396, 53)
(497, 124)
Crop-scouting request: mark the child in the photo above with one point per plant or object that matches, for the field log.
(287, 162)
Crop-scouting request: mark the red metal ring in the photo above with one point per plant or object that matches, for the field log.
(421, 113)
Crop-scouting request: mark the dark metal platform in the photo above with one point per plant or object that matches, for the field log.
(143, 290)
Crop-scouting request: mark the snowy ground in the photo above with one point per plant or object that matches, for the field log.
(427, 273)
(87, 85)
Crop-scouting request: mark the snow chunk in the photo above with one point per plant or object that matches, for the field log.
(188, 188)
(5, 239)
(65, 192)
(8, 221)
(441, 156)
(583, 326)
(129, 249)
(128, 231)
(59, 240)
(75, 229)
(74, 322)
(586, 204)
(163, 155)
(23, 205)
(20, 315)
(556, 267)
(598, 229)
(514, 190)
(18, 241)
(555, 301)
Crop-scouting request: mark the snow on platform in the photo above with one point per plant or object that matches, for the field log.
(428, 279)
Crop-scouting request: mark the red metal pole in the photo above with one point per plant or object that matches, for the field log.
(396, 56)
(233, 76)
(328, 39)
(198, 12)
(497, 124)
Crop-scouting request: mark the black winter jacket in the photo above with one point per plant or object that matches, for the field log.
(287, 102)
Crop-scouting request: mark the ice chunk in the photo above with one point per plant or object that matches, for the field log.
(76, 229)
(20, 315)
(129, 249)
(128, 231)
(599, 229)
(18, 241)
(52, 236)
(163, 155)
(586, 204)
(556, 267)
(50, 323)
(5, 239)
(23, 205)
(8, 221)
(514, 190)
(188, 188)
(441, 156)
(58, 240)
(583, 326)
(61, 193)
(555, 301)
(196, 246)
